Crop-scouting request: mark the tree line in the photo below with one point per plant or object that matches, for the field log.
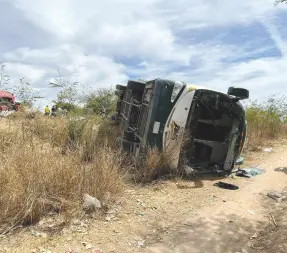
(72, 96)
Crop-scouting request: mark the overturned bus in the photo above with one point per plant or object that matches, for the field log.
(159, 113)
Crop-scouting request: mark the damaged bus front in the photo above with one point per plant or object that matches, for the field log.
(159, 113)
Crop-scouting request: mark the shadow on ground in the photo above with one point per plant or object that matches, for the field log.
(282, 170)
(197, 179)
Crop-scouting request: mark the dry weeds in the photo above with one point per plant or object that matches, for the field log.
(36, 178)
(266, 121)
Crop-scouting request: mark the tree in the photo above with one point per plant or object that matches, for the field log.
(4, 78)
(25, 93)
(68, 97)
(101, 101)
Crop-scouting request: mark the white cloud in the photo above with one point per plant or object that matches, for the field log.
(18, 70)
(70, 60)
(144, 39)
(100, 43)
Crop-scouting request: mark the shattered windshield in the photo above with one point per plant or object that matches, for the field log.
(176, 89)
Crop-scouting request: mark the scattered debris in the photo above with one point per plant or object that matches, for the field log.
(51, 224)
(140, 214)
(242, 251)
(38, 234)
(188, 170)
(278, 196)
(240, 161)
(88, 245)
(273, 219)
(78, 227)
(5, 113)
(140, 244)
(267, 150)
(91, 202)
(43, 250)
(249, 172)
(226, 186)
(254, 236)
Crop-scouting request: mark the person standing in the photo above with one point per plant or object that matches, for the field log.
(54, 110)
(47, 110)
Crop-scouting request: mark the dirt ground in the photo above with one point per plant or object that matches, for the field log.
(191, 216)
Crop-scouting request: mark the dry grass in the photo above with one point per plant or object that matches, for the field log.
(36, 178)
(158, 164)
(266, 121)
(155, 165)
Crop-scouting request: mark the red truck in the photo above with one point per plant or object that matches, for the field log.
(8, 101)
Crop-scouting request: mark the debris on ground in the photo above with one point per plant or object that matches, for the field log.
(87, 245)
(240, 161)
(43, 250)
(254, 236)
(5, 113)
(91, 202)
(267, 150)
(242, 251)
(38, 234)
(273, 219)
(140, 244)
(77, 226)
(188, 170)
(226, 186)
(51, 224)
(278, 196)
(249, 172)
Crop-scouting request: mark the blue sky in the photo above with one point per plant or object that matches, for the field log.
(101, 43)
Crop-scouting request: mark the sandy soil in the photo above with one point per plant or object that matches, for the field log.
(178, 216)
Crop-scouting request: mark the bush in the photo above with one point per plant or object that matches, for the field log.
(36, 179)
(266, 119)
(157, 164)
(103, 101)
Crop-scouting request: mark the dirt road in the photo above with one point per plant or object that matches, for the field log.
(176, 216)
(229, 225)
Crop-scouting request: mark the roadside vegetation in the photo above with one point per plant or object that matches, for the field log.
(47, 164)
(267, 120)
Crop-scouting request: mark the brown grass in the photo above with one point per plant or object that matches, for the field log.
(266, 121)
(36, 178)
(158, 164)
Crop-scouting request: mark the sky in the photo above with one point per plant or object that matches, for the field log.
(213, 43)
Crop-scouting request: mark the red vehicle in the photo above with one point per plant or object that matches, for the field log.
(8, 101)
